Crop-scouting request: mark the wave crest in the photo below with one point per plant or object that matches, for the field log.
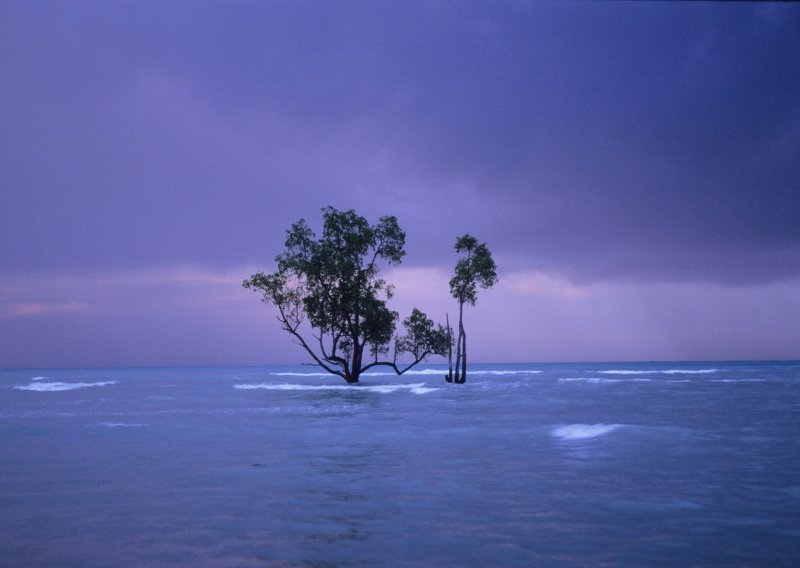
(594, 380)
(416, 388)
(119, 424)
(657, 372)
(583, 431)
(435, 372)
(58, 386)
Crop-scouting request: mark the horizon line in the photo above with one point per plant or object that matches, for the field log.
(610, 362)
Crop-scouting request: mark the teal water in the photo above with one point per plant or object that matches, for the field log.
(647, 464)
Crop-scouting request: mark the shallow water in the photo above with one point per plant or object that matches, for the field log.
(656, 464)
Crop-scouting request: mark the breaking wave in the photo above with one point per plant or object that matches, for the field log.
(657, 372)
(416, 388)
(583, 431)
(289, 374)
(58, 386)
(599, 380)
(438, 372)
(435, 372)
(595, 380)
(524, 372)
(119, 425)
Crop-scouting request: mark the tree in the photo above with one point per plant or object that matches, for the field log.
(475, 268)
(333, 284)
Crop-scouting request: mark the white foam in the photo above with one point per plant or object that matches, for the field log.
(411, 372)
(595, 380)
(57, 386)
(689, 371)
(368, 374)
(658, 372)
(39, 378)
(583, 431)
(300, 374)
(525, 372)
(444, 372)
(416, 388)
(119, 425)
(423, 390)
(435, 372)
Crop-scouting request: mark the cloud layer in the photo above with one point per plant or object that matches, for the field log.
(655, 141)
(592, 145)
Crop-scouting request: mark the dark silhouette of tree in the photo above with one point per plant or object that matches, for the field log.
(333, 284)
(449, 376)
(475, 268)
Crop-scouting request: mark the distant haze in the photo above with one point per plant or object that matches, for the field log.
(633, 167)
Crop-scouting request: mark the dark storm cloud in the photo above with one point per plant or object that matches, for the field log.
(652, 141)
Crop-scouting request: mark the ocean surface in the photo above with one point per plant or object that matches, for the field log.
(646, 464)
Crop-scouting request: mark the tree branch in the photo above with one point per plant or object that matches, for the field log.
(375, 255)
(332, 358)
(305, 346)
(393, 364)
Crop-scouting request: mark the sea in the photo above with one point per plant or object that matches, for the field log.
(591, 464)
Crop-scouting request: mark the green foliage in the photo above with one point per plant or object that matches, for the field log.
(475, 268)
(422, 337)
(333, 283)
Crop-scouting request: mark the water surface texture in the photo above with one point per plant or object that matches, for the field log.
(649, 464)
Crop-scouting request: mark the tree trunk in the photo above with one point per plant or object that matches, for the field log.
(449, 376)
(458, 358)
(355, 366)
(458, 345)
(463, 378)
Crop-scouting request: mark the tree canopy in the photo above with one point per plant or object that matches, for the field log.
(475, 268)
(332, 283)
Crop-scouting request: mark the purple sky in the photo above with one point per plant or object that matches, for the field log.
(634, 168)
